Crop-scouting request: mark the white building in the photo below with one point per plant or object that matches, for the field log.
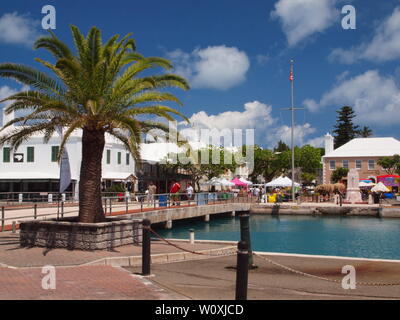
(34, 167)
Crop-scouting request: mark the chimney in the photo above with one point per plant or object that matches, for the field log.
(329, 140)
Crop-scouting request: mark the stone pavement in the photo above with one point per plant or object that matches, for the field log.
(79, 283)
(11, 254)
(210, 279)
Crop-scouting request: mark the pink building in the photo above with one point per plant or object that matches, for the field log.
(360, 153)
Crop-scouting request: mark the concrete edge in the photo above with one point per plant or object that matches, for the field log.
(263, 253)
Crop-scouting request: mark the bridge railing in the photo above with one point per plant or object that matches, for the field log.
(121, 203)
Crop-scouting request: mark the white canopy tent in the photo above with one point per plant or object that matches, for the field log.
(380, 187)
(282, 182)
(219, 182)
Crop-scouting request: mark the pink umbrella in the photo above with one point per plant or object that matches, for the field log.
(239, 183)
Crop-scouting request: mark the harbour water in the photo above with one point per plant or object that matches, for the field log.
(364, 237)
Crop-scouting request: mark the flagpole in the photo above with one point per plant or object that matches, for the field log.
(292, 133)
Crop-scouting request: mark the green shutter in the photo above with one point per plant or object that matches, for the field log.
(54, 153)
(108, 156)
(119, 157)
(127, 159)
(30, 154)
(6, 154)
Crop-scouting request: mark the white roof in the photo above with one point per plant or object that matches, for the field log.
(367, 147)
(116, 175)
(281, 182)
(28, 175)
(155, 152)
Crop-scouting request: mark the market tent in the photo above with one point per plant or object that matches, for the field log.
(239, 183)
(380, 187)
(246, 181)
(281, 182)
(366, 184)
(226, 183)
(214, 182)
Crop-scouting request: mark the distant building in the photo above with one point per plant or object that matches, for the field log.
(362, 154)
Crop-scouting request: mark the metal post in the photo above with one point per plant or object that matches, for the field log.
(242, 271)
(14, 227)
(110, 206)
(105, 206)
(191, 236)
(245, 236)
(126, 205)
(62, 209)
(146, 247)
(2, 219)
(35, 211)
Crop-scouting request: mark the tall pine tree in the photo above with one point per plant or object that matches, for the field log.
(345, 130)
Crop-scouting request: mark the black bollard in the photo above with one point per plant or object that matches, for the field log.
(242, 271)
(245, 235)
(146, 247)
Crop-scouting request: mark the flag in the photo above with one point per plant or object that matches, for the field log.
(291, 76)
(65, 170)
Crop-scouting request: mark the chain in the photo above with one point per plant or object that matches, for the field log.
(371, 284)
(222, 254)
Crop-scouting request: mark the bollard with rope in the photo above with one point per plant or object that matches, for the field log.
(245, 236)
(146, 247)
(242, 271)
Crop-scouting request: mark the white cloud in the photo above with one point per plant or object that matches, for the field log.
(256, 115)
(303, 18)
(375, 98)
(384, 46)
(217, 67)
(318, 142)
(284, 133)
(18, 29)
(5, 91)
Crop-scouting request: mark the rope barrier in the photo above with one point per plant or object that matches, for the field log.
(191, 251)
(371, 284)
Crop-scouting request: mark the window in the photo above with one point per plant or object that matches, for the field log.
(54, 153)
(345, 164)
(371, 164)
(332, 164)
(108, 156)
(30, 154)
(358, 164)
(127, 159)
(6, 154)
(119, 157)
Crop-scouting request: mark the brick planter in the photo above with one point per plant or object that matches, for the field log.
(80, 236)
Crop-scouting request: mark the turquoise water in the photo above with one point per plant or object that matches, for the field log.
(365, 237)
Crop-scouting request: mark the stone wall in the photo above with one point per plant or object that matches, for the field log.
(81, 236)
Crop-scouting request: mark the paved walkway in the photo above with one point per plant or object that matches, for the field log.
(79, 283)
(211, 279)
(11, 254)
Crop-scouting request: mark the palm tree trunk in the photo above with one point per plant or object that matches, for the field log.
(90, 206)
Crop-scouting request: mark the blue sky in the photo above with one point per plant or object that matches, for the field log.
(236, 55)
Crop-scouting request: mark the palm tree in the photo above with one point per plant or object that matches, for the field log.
(365, 132)
(96, 89)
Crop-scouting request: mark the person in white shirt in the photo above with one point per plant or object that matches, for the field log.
(189, 191)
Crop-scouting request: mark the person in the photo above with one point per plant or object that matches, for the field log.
(152, 190)
(174, 191)
(189, 191)
(257, 193)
